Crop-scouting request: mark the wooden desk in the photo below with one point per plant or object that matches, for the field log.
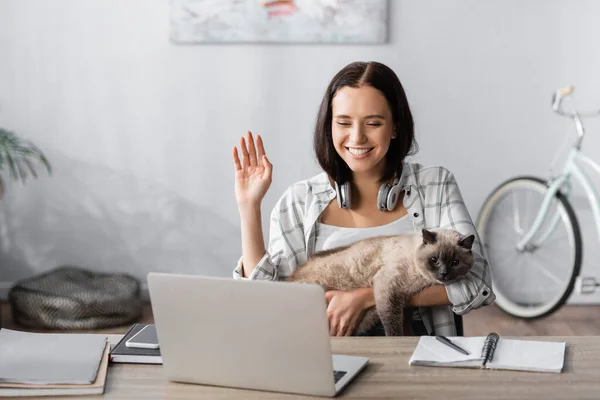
(389, 376)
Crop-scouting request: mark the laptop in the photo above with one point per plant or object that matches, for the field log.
(251, 334)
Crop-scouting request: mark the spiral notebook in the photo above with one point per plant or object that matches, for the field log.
(491, 352)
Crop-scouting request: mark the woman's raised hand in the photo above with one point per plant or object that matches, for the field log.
(253, 174)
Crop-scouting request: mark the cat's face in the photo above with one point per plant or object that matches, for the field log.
(445, 255)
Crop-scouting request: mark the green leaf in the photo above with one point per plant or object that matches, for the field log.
(21, 170)
(31, 167)
(20, 156)
(11, 165)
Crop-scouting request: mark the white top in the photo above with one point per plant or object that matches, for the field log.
(330, 236)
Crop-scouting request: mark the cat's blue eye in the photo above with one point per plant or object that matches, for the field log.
(433, 259)
(455, 262)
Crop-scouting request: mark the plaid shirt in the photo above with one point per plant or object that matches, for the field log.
(432, 198)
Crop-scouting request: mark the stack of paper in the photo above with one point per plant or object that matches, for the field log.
(40, 364)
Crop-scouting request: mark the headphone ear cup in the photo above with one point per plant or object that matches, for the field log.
(392, 197)
(339, 195)
(382, 196)
(346, 191)
(343, 196)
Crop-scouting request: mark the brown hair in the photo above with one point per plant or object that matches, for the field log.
(382, 78)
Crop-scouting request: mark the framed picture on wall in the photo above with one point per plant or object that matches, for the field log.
(280, 21)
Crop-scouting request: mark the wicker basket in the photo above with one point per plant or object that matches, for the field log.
(74, 298)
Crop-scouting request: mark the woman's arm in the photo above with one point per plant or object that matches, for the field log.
(252, 180)
(431, 296)
(475, 289)
(287, 246)
(253, 243)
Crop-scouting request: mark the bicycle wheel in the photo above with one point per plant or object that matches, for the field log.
(535, 282)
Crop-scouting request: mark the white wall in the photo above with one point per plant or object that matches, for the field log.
(140, 131)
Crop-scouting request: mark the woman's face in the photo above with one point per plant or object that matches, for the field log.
(362, 128)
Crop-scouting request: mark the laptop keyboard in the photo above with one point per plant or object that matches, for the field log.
(337, 375)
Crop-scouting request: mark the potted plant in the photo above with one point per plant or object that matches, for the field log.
(21, 158)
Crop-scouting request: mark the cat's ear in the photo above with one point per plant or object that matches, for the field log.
(428, 236)
(467, 242)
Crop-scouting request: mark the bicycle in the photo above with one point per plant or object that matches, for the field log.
(531, 234)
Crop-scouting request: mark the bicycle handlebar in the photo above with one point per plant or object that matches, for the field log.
(567, 90)
(557, 99)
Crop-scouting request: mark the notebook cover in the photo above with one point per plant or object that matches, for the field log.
(97, 387)
(50, 358)
(123, 354)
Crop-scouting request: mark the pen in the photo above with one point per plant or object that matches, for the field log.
(447, 342)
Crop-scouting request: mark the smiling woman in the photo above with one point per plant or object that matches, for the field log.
(363, 134)
(364, 109)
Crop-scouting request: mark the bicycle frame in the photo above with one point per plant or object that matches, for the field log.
(561, 182)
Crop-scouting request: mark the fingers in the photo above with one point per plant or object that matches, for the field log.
(251, 148)
(332, 318)
(341, 329)
(333, 327)
(236, 160)
(330, 294)
(352, 325)
(268, 167)
(349, 331)
(261, 149)
(338, 327)
(249, 152)
(246, 161)
(345, 328)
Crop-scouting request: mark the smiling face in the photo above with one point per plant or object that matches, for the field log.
(362, 128)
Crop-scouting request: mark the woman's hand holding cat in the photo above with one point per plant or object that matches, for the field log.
(345, 309)
(253, 174)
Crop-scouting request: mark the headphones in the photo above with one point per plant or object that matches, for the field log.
(387, 197)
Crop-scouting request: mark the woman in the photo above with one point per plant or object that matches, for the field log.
(363, 133)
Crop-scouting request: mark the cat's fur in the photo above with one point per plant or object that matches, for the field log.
(396, 267)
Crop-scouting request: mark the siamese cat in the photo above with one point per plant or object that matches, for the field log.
(396, 267)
